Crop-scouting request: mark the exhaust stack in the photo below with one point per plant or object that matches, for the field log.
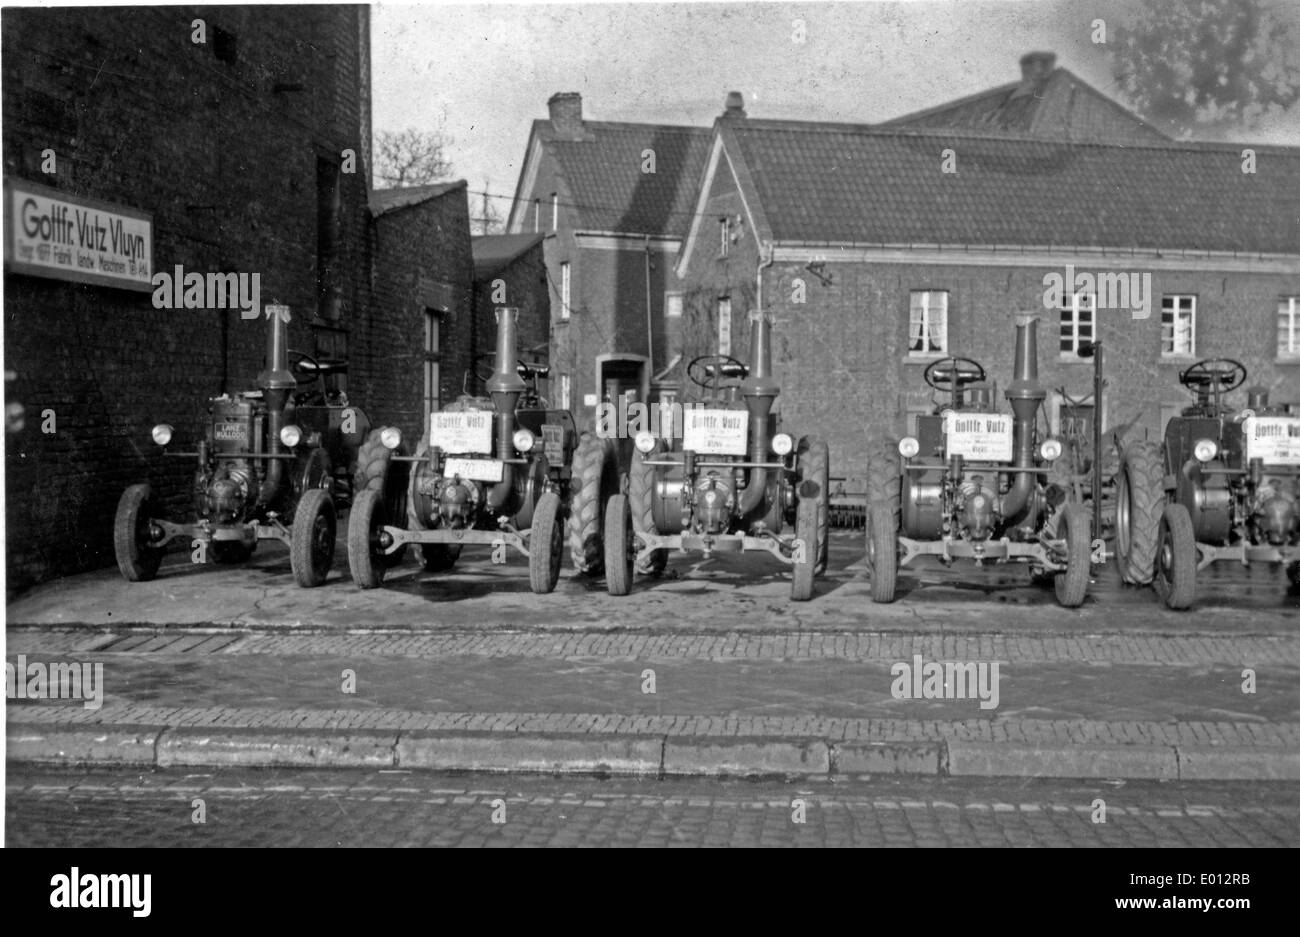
(276, 381)
(1025, 394)
(505, 387)
(760, 391)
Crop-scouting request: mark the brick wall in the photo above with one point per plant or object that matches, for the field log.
(223, 155)
(527, 289)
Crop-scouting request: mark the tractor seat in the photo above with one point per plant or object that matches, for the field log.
(534, 370)
(731, 370)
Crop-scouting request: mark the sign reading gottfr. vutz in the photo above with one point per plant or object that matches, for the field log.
(68, 237)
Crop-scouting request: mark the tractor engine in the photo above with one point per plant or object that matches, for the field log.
(714, 503)
(975, 504)
(1272, 514)
(223, 492)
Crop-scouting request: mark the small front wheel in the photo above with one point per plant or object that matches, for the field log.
(136, 558)
(311, 541)
(1075, 529)
(806, 522)
(545, 544)
(882, 551)
(366, 557)
(619, 546)
(1175, 575)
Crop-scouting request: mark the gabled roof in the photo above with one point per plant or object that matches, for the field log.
(602, 170)
(383, 201)
(494, 252)
(1061, 106)
(818, 183)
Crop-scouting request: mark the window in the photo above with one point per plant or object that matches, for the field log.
(1288, 327)
(1076, 322)
(724, 326)
(927, 333)
(563, 401)
(555, 211)
(329, 295)
(432, 362)
(1178, 326)
(566, 291)
(673, 305)
(724, 227)
(537, 214)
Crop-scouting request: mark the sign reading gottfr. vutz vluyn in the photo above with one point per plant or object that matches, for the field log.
(68, 237)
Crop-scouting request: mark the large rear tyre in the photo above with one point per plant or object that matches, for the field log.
(1175, 572)
(1139, 505)
(640, 495)
(594, 479)
(366, 558)
(373, 459)
(619, 546)
(882, 552)
(1075, 528)
(884, 477)
(815, 483)
(804, 570)
(311, 541)
(545, 544)
(137, 560)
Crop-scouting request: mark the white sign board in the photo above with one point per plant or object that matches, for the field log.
(981, 437)
(716, 432)
(463, 431)
(479, 470)
(1275, 439)
(52, 234)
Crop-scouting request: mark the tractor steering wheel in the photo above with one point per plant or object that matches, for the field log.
(307, 375)
(485, 365)
(707, 370)
(952, 373)
(1214, 375)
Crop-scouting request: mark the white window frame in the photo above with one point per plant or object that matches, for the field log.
(927, 329)
(563, 391)
(674, 300)
(1074, 307)
(1288, 325)
(432, 362)
(1177, 301)
(724, 325)
(555, 211)
(566, 290)
(724, 226)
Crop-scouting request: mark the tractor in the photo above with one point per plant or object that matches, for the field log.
(732, 482)
(276, 463)
(1229, 485)
(491, 471)
(972, 483)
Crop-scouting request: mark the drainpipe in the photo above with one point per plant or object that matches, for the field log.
(649, 316)
(760, 391)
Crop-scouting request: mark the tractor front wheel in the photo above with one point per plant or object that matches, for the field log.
(882, 551)
(815, 484)
(545, 544)
(1075, 529)
(619, 546)
(1175, 572)
(366, 557)
(1139, 503)
(137, 560)
(806, 523)
(311, 542)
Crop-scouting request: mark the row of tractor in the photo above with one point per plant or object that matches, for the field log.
(505, 470)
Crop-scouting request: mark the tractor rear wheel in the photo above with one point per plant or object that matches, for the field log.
(366, 558)
(545, 544)
(373, 459)
(594, 480)
(815, 473)
(884, 477)
(230, 552)
(882, 552)
(1139, 504)
(137, 560)
(311, 542)
(640, 495)
(1075, 529)
(1175, 572)
(618, 546)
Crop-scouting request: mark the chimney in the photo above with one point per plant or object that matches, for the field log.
(1035, 67)
(566, 113)
(735, 105)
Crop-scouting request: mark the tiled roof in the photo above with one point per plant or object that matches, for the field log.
(822, 183)
(386, 200)
(1062, 106)
(494, 252)
(610, 192)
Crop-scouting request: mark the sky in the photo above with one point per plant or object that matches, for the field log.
(482, 73)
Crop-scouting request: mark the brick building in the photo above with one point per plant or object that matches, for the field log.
(614, 201)
(510, 270)
(876, 261)
(220, 140)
